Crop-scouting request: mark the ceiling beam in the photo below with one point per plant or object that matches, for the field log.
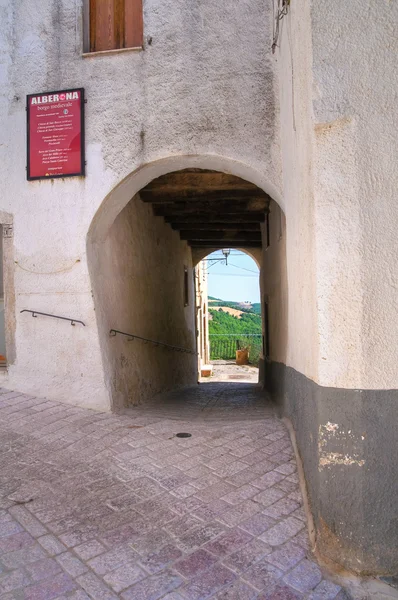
(202, 195)
(197, 179)
(219, 208)
(225, 236)
(221, 244)
(203, 217)
(211, 226)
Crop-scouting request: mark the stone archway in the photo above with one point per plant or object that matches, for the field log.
(115, 277)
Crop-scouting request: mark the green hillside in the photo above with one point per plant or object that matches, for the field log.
(228, 334)
(223, 322)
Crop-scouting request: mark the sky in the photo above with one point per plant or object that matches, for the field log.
(238, 281)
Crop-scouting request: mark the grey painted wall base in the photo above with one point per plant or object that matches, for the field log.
(348, 441)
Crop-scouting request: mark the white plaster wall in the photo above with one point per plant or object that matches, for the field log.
(274, 284)
(293, 57)
(338, 113)
(204, 88)
(355, 49)
(138, 279)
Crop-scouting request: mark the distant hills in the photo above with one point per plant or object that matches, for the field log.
(254, 308)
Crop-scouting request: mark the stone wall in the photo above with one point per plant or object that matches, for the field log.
(138, 278)
(202, 94)
(336, 378)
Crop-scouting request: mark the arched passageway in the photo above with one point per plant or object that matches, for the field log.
(228, 310)
(142, 268)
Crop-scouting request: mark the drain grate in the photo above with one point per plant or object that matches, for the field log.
(183, 435)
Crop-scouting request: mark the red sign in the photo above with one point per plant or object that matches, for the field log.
(56, 134)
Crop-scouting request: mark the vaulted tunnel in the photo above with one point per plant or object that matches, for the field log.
(143, 274)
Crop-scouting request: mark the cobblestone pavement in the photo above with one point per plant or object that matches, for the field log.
(105, 506)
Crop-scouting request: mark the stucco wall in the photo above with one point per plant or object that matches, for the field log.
(337, 72)
(355, 72)
(204, 88)
(138, 278)
(275, 285)
(293, 57)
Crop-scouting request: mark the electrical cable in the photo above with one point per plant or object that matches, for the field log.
(243, 269)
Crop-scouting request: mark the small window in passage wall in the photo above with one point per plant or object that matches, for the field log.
(186, 288)
(113, 25)
(267, 231)
(266, 347)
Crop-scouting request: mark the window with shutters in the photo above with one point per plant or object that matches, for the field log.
(113, 25)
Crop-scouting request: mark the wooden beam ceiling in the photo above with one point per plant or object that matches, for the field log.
(208, 208)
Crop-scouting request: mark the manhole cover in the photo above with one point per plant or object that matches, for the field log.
(183, 435)
(237, 376)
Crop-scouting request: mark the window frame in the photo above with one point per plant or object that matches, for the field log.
(87, 25)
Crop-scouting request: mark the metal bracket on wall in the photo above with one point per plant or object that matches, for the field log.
(34, 313)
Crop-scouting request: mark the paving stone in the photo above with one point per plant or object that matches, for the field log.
(184, 491)
(242, 477)
(77, 595)
(286, 556)
(214, 492)
(28, 521)
(51, 545)
(15, 542)
(89, 549)
(208, 582)
(240, 495)
(302, 539)
(262, 575)
(299, 513)
(305, 577)
(198, 561)
(247, 555)
(258, 523)
(241, 451)
(227, 542)
(50, 588)
(326, 590)
(71, 564)
(286, 486)
(158, 560)
(9, 527)
(286, 468)
(211, 510)
(125, 576)
(282, 531)
(236, 591)
(112, 559)
(205, 482)
(43, 569)
(20, 558)
(199, 536)
(280, 592)
(154, 587)
(239, 513)
(183, 525)
(12, 581)
(205, 496)
(95, 588)
(152, 542)
(230, 469)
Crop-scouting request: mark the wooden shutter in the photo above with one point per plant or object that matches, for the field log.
(115, 24)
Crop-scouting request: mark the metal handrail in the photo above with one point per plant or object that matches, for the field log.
(132, 337)
(36, 312)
